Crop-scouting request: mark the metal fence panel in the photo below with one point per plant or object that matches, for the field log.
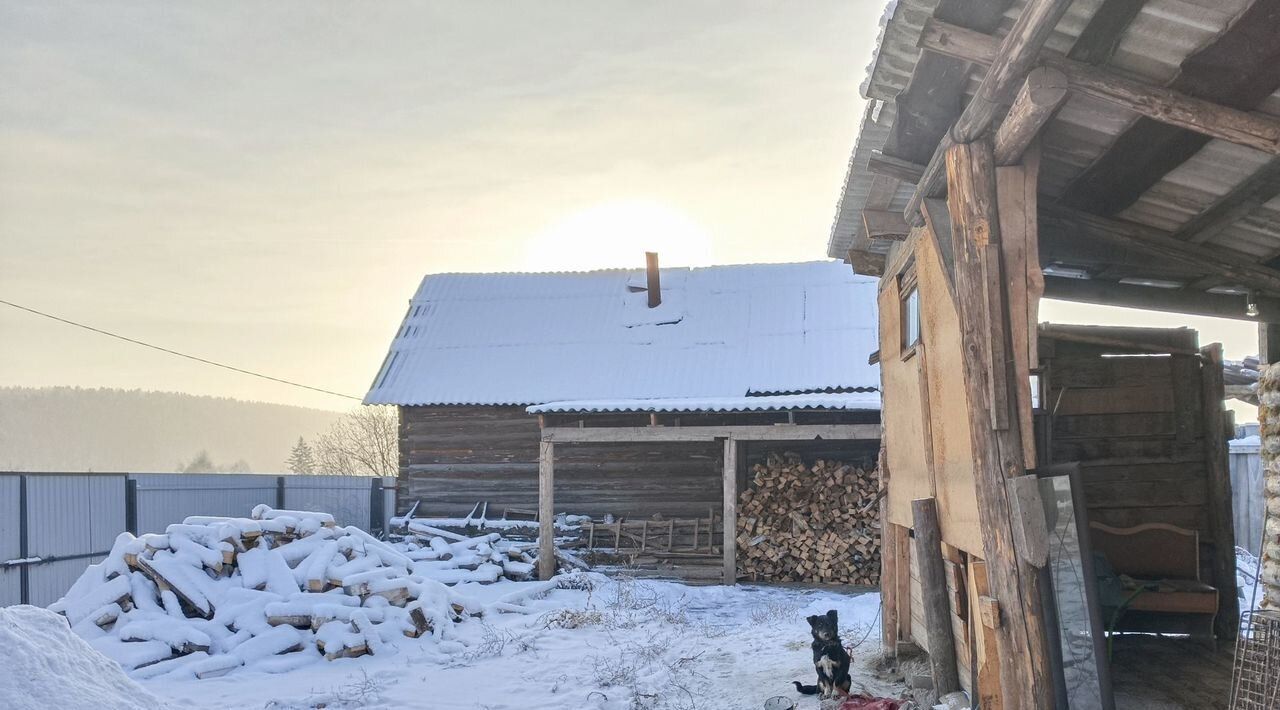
(72, 518)
(166, 498)
(1247, 500)
(346, 497)
(10, 540)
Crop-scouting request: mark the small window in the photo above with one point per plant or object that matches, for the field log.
(910, 310)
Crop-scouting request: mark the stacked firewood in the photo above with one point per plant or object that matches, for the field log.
(802, 523)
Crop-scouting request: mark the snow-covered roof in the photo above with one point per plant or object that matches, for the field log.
(722, 335)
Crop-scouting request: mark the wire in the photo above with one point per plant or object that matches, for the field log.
(175, 352)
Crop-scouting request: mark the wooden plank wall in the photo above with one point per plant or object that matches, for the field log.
(452, 457)
(1136, 425)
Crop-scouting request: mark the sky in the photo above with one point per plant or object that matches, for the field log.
(265, 184)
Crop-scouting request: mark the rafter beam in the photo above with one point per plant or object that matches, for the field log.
(1255, 130)
(904, 170)
(885, 224)
(1258, 189)
(1196, 303)
(1099, 39)
(1235, 266)
(1012, 59)
(1039, 98)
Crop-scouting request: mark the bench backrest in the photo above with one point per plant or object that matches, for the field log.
(1149, 551)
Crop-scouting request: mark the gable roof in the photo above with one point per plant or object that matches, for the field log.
(720, 332)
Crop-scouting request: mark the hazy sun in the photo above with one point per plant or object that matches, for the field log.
(616, 234)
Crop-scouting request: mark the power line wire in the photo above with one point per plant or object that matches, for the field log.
(175, 352)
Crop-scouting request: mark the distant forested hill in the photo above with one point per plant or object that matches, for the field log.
(73, 429)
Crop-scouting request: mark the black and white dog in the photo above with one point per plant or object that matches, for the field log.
(829, 658)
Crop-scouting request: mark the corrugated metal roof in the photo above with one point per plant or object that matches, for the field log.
(857, 401)
(721, 331)
(1152, 48)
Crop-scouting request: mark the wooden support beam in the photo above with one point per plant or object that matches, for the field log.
(934, 596)
(897, 168)
(1014, 57)
(1147, 298)
(1236, 267)
(742, 432)
(1258, 189)
(1044, 90)
(885, 224)
(1255, 130)
(1025, 676)
(1099, 39)
(866, 263)
(1220, 520)
(546, 510)
(730, 546)
(1235, 68)
(1269, 338)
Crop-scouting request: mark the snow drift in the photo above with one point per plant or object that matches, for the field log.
(48, 666)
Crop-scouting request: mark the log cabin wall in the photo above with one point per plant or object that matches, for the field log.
(453, 457)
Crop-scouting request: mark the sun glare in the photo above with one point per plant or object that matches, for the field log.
(616, 234)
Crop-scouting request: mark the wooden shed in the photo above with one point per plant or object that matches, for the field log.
(1053, 486)
(646, 394)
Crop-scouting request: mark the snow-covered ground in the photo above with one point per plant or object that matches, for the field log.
(621, 644)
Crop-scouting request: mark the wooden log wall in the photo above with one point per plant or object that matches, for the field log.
(452, 457)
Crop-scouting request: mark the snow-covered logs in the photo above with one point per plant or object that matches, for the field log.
(280, 589)
(1269, 429)
(819, 523)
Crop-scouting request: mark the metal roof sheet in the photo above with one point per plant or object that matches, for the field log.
(721, 331)
(1152, 48)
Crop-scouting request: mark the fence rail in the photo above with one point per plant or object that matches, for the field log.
(52, 525)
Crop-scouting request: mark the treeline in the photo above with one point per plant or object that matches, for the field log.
(73, 429)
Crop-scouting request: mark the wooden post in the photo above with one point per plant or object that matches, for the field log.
(730, 545)
(889, 602)
(1215, 451)
(546, 510)
(1040, 96)
(1025, 675)
(933, 590)
(1269, 343)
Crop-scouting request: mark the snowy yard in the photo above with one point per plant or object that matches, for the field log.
(623, 644)
(288, 610)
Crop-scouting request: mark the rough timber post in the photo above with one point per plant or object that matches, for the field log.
(730, 545)
(1025, 678)
(933, 590)
(546, 510)
(1226, 623)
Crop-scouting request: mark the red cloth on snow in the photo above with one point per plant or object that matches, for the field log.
(866, 702)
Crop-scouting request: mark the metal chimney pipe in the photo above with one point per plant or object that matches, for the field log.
(654, 280)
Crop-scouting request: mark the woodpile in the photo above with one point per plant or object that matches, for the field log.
(284, 588)
(801, 523)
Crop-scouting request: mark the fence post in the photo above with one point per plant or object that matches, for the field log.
(280, 492)
(24, 574)
(131, 504)
(375, 507)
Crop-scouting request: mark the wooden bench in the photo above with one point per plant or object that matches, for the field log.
(1160, 565)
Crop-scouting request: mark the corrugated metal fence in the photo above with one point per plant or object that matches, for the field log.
(1248, 507)
(52, 525)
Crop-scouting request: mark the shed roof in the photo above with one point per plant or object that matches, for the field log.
(721, 333)
(1152, 48)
